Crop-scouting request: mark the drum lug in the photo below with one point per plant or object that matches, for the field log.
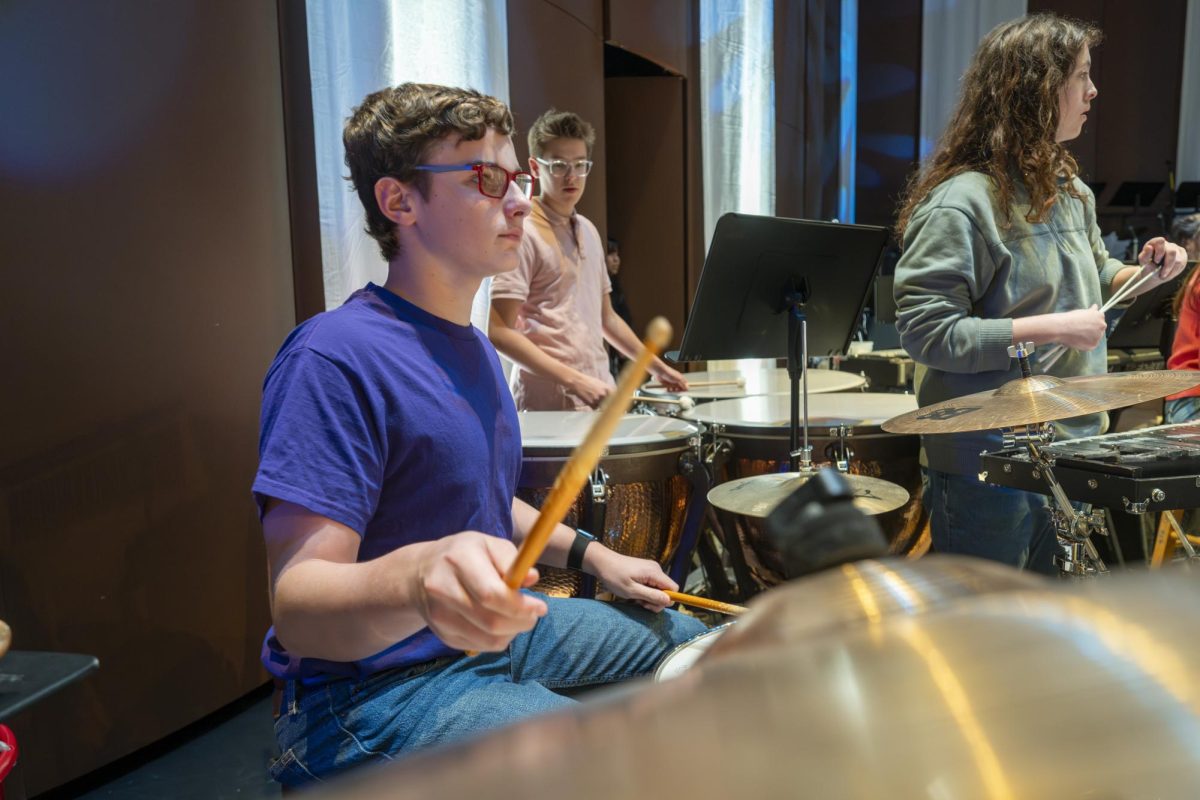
(598, 481)
(840, 453)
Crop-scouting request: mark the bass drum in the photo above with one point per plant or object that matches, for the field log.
(638, 500)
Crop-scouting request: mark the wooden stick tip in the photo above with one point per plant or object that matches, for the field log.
(658, 332)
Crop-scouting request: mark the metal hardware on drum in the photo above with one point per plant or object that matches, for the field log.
(749, 436)
(644, 498)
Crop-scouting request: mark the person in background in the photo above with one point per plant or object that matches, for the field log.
(552, 315)
(612, 260)
(1185, 350)
(1000, 246)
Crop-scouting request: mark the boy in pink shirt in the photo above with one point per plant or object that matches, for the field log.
(552, 314)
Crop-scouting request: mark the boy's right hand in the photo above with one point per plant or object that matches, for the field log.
(462, 596)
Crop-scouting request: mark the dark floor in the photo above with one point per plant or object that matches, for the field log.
(224, 756)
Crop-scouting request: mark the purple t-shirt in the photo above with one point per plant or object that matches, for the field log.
(397, 424)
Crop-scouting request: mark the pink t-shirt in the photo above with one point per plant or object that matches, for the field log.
(561, 282)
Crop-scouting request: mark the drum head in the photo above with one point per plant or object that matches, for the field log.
(761, 381)
(681, 659)
(853, 409)
(558, 430)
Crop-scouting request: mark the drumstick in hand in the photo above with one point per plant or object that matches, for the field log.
(705, 603)
(695, 384)
(581, 463)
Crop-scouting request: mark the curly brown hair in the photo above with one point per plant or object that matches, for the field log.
(393, 130)
(555, 124)
(1006, 118)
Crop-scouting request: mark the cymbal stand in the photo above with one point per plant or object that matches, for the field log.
(1072, 527)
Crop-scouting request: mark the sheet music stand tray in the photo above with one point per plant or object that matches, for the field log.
(755, 261)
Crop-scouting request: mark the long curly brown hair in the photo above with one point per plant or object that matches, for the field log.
(1005, 121)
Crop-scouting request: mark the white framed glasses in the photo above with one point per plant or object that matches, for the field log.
(492, 179)
(559, 168)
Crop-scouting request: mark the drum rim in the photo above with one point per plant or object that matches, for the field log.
(714, 632)
(702, 414)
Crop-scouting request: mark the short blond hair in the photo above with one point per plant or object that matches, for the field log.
(559, 125)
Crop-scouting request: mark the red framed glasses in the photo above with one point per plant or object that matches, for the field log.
(492, 179)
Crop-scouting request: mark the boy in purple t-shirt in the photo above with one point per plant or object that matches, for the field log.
(389, 455)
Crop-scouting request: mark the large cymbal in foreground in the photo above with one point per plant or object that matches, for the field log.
(1042, 398)
(757, 495)
(1081, 690)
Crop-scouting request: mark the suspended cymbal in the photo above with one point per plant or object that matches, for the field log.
(758, 495)
(1042, 398)
(1081, 690)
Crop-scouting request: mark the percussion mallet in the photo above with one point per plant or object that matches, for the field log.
(581, 463)
(705, 603)
(684, 402)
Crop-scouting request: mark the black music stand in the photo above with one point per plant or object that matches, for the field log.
(1142, 323)
(1135, 194)
(766, 277)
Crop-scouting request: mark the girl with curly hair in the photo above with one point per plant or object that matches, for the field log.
(1000, 245)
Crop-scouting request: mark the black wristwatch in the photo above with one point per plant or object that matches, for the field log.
(575, 555)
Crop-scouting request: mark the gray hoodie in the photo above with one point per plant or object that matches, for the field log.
(963, 278)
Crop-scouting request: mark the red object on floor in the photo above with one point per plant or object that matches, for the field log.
(8, 755)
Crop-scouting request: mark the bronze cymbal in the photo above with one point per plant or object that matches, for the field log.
(758, 495)
(1079, 690)
(1042, 398)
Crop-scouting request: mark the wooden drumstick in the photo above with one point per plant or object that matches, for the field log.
(740, 381)
(581, 463)
(705, 603)
(5, 638)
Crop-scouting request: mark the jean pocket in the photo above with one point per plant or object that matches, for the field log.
(288, 770)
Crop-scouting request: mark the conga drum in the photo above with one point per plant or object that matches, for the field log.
(757, 429)
(639, 500)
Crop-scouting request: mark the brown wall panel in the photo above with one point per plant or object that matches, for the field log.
(889, 81)
(647, 205)
(556, 59)
(656, 30)
(143, 210)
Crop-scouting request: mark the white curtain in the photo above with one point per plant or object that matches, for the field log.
(1187, 162)
(358, 47)
(737, 108)
(950, 32)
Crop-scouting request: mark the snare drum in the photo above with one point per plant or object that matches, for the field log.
(681, 658)
(761, 381)
(636, 502)
(758, 429)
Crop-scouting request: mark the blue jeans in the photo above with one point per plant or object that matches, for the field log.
(1185, 409)
(323, 730)
(970, 517)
